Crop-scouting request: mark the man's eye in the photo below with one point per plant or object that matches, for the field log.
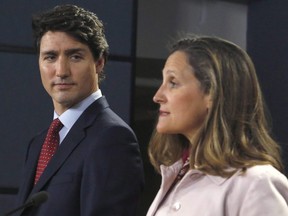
(76, 57)
(49, 57)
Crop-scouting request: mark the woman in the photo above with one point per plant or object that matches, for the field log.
(212, 142)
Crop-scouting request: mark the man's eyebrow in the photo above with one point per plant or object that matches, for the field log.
(74, 50)
(48, 52)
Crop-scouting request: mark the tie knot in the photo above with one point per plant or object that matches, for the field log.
(56, 125)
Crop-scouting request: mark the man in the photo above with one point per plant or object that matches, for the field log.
(97, 169)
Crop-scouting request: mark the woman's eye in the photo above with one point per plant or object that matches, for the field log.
(172, 84)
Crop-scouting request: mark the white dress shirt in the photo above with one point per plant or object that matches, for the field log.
(70, 116)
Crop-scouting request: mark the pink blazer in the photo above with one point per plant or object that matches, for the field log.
(261, 191)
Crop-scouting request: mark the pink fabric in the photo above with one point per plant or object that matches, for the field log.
(262, 190)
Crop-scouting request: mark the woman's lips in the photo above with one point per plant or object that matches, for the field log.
(163, 113)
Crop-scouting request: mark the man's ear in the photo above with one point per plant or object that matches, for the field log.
(100, 65)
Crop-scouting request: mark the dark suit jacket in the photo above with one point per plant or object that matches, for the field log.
(97, 169)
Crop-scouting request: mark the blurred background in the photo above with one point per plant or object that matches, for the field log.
(138, 32)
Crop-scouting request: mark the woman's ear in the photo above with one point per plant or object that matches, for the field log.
(209, 101)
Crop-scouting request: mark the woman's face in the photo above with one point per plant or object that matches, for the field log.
(183, 104)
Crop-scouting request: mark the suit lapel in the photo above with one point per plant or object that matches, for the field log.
(31, 163)
(71, 141)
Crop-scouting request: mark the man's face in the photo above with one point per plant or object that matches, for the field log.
(68, 70)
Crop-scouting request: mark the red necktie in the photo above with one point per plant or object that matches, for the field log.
(49, 147)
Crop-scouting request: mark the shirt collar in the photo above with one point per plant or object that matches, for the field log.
(70, 116)
(174, 169)
(218, 180)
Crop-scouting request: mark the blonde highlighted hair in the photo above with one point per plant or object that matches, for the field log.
(236, 133)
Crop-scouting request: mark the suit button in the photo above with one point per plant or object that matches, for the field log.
(176, 206)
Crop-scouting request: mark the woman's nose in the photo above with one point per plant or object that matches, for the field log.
(159, 96)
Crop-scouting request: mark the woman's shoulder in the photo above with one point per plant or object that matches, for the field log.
(263, 172)
(261, 176)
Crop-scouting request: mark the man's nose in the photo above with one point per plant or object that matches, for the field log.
(62, 68)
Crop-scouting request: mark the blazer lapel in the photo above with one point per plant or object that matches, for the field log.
(71, 141)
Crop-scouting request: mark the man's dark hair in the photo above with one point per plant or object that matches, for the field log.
(77, 22)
